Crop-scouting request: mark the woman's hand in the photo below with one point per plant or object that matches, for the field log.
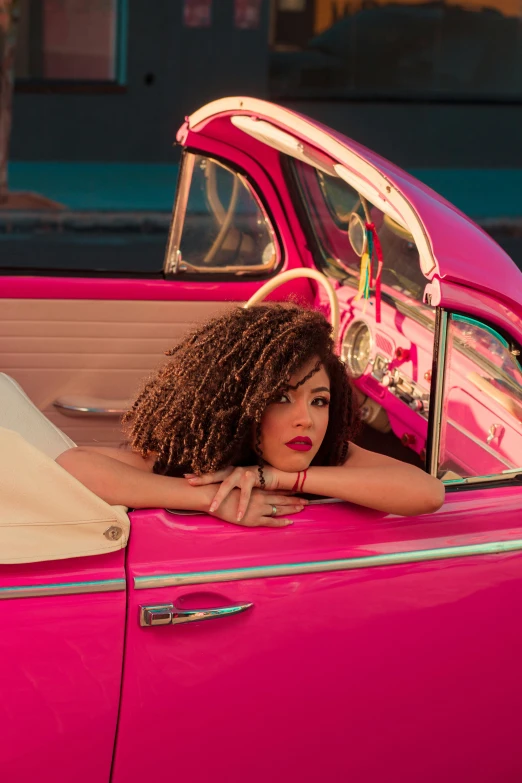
(259, 512)
(246, 479)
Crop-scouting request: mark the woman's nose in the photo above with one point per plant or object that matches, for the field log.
(303, 417)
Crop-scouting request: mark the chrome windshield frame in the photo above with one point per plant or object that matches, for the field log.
(172, 252)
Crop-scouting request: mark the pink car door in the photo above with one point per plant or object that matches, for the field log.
(351, 646)
(61, 657)
(79, 330)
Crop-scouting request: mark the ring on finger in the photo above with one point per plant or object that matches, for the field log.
(274, 511)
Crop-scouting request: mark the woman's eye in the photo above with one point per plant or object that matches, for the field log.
(321, 402)
(282, 398)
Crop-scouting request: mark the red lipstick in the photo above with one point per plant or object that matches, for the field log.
(299, 444)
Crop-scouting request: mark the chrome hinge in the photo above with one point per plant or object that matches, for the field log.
(174, 262)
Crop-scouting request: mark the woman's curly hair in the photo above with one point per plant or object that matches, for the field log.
(199, 411)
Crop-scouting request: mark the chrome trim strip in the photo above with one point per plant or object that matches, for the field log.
(437, 396)
(321, 566)
(506, 475)
(66, 588)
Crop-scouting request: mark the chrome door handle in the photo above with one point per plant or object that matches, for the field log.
(168, 614)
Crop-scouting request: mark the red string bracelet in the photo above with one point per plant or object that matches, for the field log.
(296, 485)
(303, 481)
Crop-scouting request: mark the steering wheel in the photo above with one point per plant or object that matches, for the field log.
(224, 217)
(293, 274)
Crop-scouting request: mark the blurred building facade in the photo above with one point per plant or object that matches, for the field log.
(428, 84)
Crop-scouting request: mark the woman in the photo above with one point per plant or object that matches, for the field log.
(256, 401)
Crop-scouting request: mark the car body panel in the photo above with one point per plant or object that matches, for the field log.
(61, 667)
(348, 671)
(481, 304)
(132, 290)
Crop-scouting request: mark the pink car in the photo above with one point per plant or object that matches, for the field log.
(352, 645)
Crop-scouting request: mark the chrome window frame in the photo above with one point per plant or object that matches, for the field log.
(438, 377)
(173, 263)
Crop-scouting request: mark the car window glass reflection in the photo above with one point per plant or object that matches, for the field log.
(224, 224)
(482, 415)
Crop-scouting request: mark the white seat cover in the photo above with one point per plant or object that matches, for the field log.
(18, 413)
(45, 513)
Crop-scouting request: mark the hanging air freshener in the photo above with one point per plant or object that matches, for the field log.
(366, 244)
(375, 244)
(358, 236)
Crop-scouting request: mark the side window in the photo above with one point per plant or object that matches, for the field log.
(219, 224)
(482, 408)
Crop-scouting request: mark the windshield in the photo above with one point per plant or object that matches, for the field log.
(329, 202)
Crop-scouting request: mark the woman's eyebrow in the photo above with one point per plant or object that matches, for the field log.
(320, 388)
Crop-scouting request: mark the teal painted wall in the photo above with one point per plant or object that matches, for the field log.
(480, 193)
(172, 70)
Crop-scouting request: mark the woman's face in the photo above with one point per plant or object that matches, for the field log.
(293, 427)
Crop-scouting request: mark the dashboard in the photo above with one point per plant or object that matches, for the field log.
(390, 367)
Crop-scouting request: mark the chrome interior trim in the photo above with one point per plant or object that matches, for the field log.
(322, 566)
(66, 588)
(347, 346)
(436, 401)
(70, 408)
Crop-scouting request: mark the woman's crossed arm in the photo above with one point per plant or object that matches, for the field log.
(366, 478)
(120, 476)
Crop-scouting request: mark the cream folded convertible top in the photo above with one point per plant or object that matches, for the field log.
(46, 514)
